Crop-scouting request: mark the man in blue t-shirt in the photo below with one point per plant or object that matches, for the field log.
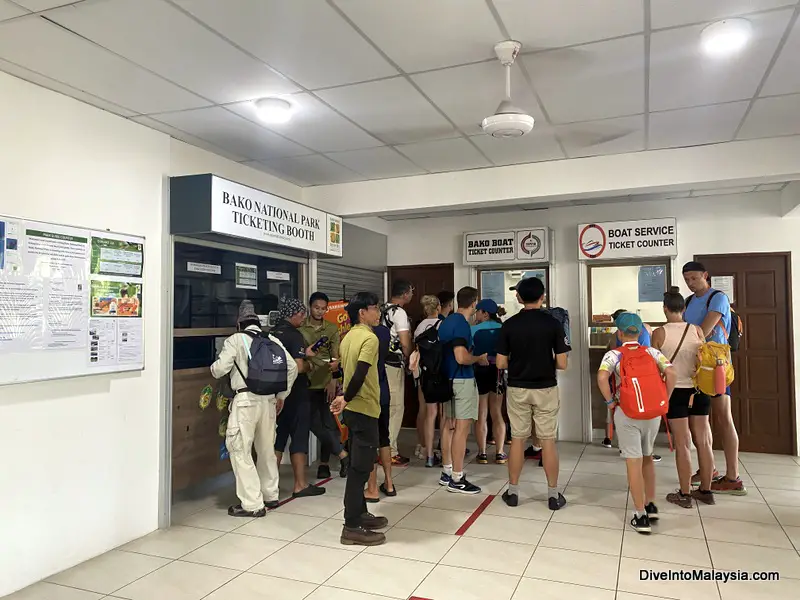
(710, 309)
(455, 336)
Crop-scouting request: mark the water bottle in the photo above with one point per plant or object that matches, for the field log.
(719, 377)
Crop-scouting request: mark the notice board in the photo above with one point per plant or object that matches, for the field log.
(70, 301)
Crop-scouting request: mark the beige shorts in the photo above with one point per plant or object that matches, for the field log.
(464, 405)
(533, 408)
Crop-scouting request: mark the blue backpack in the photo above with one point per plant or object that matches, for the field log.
(266, 366)
(562, 316)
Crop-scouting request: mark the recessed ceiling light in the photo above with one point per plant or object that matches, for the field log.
(274, 110)
(726, 37)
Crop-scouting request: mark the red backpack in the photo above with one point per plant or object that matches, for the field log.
(642, 392)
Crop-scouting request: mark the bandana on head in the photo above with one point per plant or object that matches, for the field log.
(289, 307)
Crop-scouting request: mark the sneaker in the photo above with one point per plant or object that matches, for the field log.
(641, 524)
(556, 503)
(419, 452)
(359, 536)
(510, 499)
(652, 512)
(656, 458)
(430, 462)
(533, 454)
(483, 459)
(238, 511)
(445, 479)
(371, 522)
(323, 472)
(344, 466)
(501, 458)
(723, 485)
(463, 486)
(696, 478)
(704, 496)
(606, 443)
(399, 461)
(680, 499)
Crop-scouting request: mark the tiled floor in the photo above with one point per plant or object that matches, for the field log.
(583, 552)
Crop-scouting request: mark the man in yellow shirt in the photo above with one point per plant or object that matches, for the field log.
(361, 406)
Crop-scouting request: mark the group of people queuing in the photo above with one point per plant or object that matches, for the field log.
(662, 371)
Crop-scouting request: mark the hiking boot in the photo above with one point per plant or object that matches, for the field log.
(359, 536)
(723, 485)
(606, 443)
(323, 472)
(344, 465)
(652, 512)
(556, 503)
(371, 522)
(510, 499)
(641, 524)
(704, 496)
(501, 458)
(238, 511)
(482, 459)
(680, 499)
(696, 477)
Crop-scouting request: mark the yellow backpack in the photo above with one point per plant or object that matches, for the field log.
(710, 355)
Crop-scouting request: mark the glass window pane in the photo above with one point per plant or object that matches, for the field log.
(495, 284)
(635, 288)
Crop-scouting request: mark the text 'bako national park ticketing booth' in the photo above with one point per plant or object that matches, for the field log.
(627, 265)
(230, 243)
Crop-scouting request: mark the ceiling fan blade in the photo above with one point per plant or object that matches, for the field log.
(587, 138)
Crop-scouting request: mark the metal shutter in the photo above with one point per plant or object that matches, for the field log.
(331, 276)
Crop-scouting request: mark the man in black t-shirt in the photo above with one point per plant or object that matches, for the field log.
(532, 346)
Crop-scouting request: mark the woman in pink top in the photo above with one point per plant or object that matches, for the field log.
(688, 408)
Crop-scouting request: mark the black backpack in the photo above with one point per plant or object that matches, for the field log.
(395, 358)
(736, 333)
(266, 366)
(436, 386)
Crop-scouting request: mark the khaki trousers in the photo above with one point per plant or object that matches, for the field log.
(397, 403)
(252, 423)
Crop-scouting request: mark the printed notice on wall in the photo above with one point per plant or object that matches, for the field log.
(246, 276)
(726, 285)
(63, 290)
(195, 267)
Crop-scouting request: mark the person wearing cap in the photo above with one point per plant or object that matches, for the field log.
(252, 420)
(637, 437)
(294, 422)
(490, 398)
(710, 309)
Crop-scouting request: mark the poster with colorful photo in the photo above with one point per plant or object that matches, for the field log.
(116, 257)
(338, 316)
(116, 299)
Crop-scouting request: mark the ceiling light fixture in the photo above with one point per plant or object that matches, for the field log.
(274, 110)
(726, 37)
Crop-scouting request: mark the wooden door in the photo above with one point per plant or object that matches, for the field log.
(426, 279)
(762, 394)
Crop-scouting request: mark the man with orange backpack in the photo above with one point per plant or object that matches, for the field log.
(644, 382)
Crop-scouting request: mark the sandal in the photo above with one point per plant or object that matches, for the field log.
(387, 492)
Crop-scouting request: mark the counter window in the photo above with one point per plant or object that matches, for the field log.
(635, 287)
(495, 284)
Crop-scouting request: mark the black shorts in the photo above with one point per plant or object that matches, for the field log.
(294, 422)
(486, 378)
(383, 427)
(679, 404)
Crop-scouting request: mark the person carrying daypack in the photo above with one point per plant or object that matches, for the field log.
(644, 382)
(262, 374)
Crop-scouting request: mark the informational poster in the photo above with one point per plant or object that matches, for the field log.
(493, 286)
(652, 283)
(337, 315)
(628, 239)
(66, 290)
(725, 284)
(512, 246)
(246, 276)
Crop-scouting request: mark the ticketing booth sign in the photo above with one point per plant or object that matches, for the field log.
(507, 247)
(621, 240)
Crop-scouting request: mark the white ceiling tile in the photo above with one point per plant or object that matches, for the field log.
(695, 126)
(232, 133)
(377, 163)
(304, 39)
(310, 170)
(391, 109)
(185, 137)
(314, 125)
(785, 75)
(612, 136)
(9, 10)
(595, 81)
(470, 93)
(35, 44)
(39, 5)
(61, 88)
(723, 191)
(668, 13)
(682, 76)
(772, 117)
(537, 146)
(445, 155)
(770, 187)
(178, 48)
(420, 34)
(556, 23)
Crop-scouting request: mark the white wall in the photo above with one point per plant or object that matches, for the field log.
(724, 224)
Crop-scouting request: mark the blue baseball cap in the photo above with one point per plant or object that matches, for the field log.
(487, 305)
(629, 323)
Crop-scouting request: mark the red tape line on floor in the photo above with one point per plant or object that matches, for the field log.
(474, 516)
(318, 484)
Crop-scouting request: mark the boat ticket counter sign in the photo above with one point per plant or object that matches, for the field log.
(623, 240)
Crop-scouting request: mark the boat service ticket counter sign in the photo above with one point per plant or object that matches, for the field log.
(627, 239)
(510, 246)
(201, 204)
